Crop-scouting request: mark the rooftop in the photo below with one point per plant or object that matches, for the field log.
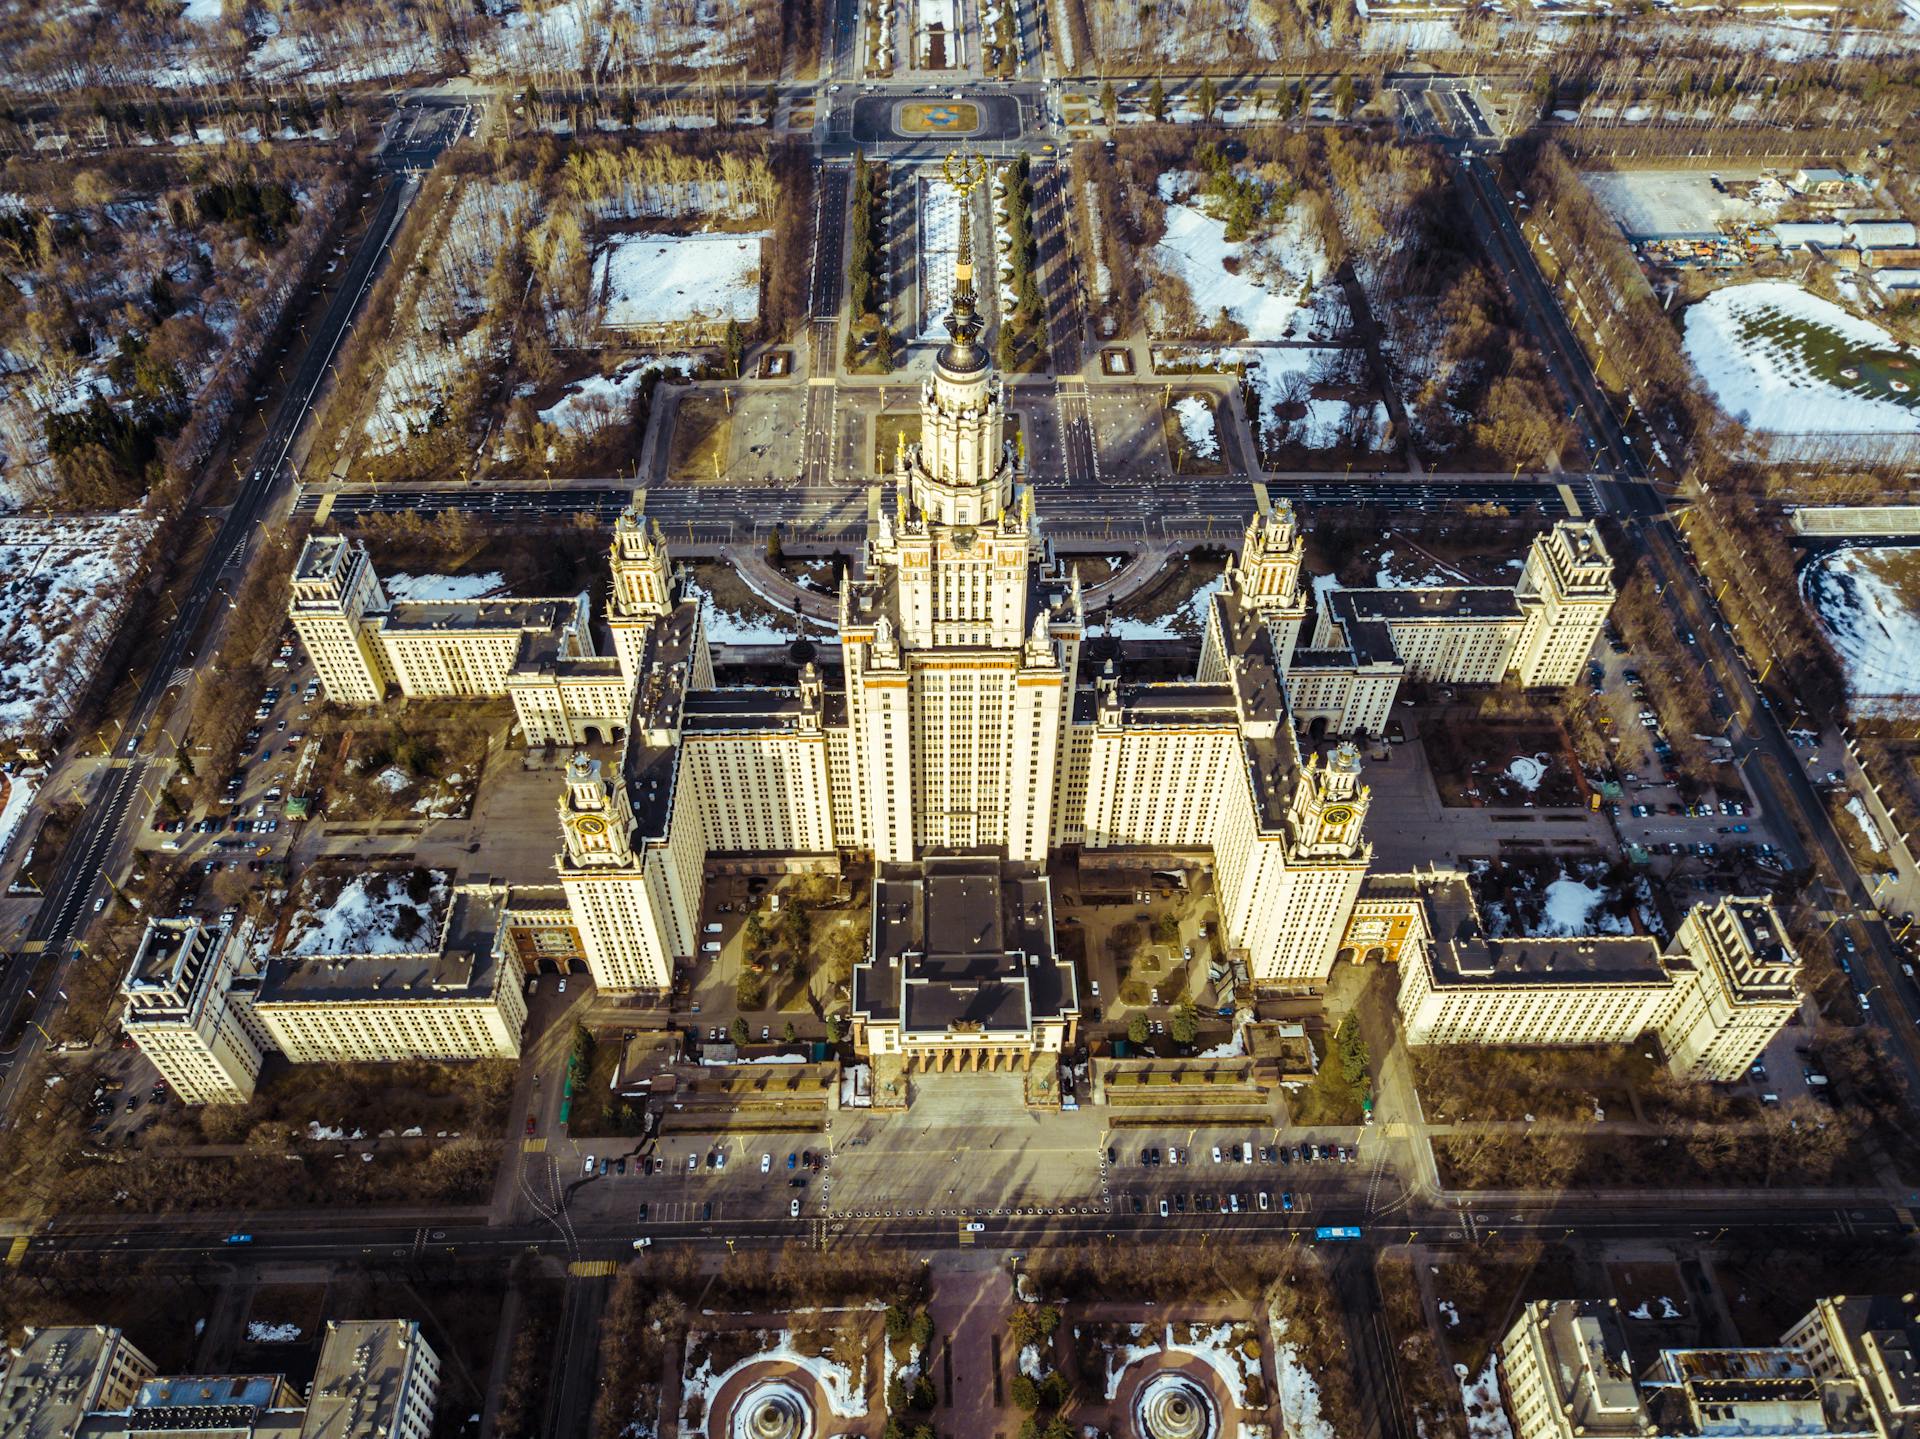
(963, 942)
(505, 616)
(465, 969)
(663, 674)
(743, 708)
(1273, 757)
(359, 1384)
(1463, 955)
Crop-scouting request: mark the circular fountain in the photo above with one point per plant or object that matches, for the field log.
(1172, 1405)
(772, 1409)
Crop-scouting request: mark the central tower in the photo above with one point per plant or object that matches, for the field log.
(962, 473)
(960, 642)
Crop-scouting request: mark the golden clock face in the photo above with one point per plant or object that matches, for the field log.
(591, 826)
(1340, 814)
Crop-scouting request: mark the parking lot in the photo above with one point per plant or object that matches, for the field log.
(246, 827)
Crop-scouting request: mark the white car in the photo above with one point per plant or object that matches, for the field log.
(563, 985)
(1216, 1154)
(1163, 1209)
(646, 1243)
(766, 1163)
(793, 1209)
(99, 904)
(974, 1226)
(587, 1168)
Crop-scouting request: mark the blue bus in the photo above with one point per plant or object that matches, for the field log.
(1337, 1231)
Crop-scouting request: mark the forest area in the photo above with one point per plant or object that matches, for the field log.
(497, 322)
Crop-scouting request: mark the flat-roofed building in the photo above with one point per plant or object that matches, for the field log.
(189, 1008)
(206, 1406)
(1771, 1389)
(1714, 997)
(961, 971)
(1565, 1372)
(1873, 1343)
(460, 997)
(376, 1377)
(56, 1376)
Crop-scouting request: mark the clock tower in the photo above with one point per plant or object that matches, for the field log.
(1329, 808)
(595, 821)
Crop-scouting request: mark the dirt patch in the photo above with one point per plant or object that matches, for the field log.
(702, 439)
(1477, 763)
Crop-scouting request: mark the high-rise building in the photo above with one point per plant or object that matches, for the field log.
(376, 1379)
(189, 1008)
(55, 1377)
(961, 721)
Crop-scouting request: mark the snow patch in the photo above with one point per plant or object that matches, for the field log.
(652, 280)
(1858, 809)
(444, 587)
(1196, 423)
(1864, 602)
(1486, 1415)
(1754, 346)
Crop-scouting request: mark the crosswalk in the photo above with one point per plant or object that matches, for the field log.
(593, 1268)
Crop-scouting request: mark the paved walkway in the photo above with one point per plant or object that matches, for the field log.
(972, 1293)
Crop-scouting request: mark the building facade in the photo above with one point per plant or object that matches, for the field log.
(1714, 997)
(1565, 1374)
(461, 998)
(189, 1008)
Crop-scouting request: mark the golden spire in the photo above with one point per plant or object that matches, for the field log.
(900, 452)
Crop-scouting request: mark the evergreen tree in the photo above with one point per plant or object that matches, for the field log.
(1157, 100)
(1109, 102)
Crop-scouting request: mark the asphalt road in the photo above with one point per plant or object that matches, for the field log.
(1174, 507)
(187, 1242)
(109, 824)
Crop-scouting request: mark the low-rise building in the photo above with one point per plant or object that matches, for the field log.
(207, 1406)
(961, 971)
(189, 1008)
